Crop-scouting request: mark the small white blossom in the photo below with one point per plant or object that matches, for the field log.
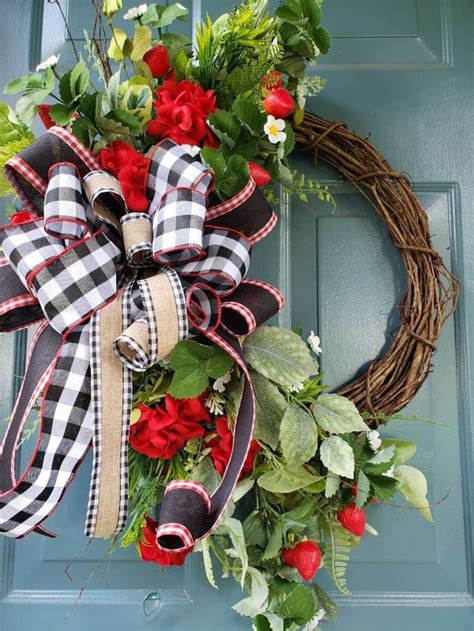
(193, 150)
(215, 403)
(374, 440)
(296, 387)
(136, 12)
(314, 343)
(48, 63)
(274, 129)
(219, 384)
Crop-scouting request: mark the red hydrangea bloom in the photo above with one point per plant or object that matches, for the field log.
(149, 551)
(182, 109)
(221, 448)
(162, 430)
(130, 167)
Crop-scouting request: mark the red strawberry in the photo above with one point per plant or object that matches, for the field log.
(43, 113)
(352, 519)
(279, 103)
(22, 216)
(270, 81)
(258, 174)
(305, 557)
(158, 60)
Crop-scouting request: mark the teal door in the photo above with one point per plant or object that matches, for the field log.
(401, 71)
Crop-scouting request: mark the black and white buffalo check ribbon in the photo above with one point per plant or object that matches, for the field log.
(113, 292)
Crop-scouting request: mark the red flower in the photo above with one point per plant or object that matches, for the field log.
(158, 60)
(131, 169)
(182, 109)
(162, 431)
(221, 448)
(149, 551)
(22, 216)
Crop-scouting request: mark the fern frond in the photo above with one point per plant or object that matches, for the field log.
(337, 555)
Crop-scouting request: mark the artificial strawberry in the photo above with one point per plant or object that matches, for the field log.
(352, 519)
(270, 81)
(260, 176)
(279, 103)
(305, 557)
(44, 114)
(158, 60)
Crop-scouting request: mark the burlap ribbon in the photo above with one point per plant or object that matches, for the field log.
(114, 292)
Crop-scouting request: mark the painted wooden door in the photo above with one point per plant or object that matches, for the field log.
(401, 72)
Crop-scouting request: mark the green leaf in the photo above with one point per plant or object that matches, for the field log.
(325, 602)
(298, 436)
(141, 43)
(337, 456)
(188, 382)
(225, 125)
(21, 84)
(11, 131)
(246, 145)
(270, 408)
(206, 474)
(188, 352)
(256, 602)
(280, 355)
(254, 529)
(235, 176)
(206, 557)
(214, 160)
(404, 449)
(312, 11)
(299, 605)
(383, 486)
(286, 480)
(249, 114)
(336, 557)
(62, 114)
(268, 622)
(218, 364)
(83, 129)
(332, 485)
(125, 119)
(322, 40)
(173, 12)
(363, 489)
(65, 90)
(414, 488)
(233, 527)
(338, 415)
(120, 45)
(89, 105)
(383, 456)
(79, 80)
(274, 543)
(292, 65)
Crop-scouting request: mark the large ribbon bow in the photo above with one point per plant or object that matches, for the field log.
(113, 292)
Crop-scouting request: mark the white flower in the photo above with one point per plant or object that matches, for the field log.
(215, 404)
(274, 129)
(219, 384)
(136, 12)
(48, 63)
(296, 387)
(374, 440)
(193, 150)
(314, 343)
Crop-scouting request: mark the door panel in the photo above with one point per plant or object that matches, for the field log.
(399, 71)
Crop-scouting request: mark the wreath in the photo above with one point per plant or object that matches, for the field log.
(129, 244)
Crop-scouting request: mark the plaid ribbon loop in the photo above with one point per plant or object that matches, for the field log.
(118, 290)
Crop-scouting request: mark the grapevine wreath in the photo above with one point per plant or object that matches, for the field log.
(129, 246)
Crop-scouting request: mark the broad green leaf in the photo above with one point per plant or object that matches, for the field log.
(298, 436)
(338, 415)
(383, 486)
(79, 80)
(382, 456)
(233, 527)
(363, 489)
(249, 114)
(218, 364)
(225, 125)
(206, 474)
(404, 449)
(206, 557)
(312, 11)
(269, 410)
(242, 488)
(280, 355)
(254, 529)
(268, 622)
(299, 605)
(236, 175)
(126, 120)
(120, 45)
(286, 480)
(246, 145)
(332, 485)
(255, 603)
(337, 456)
(62, 114)
(11, 131)
(214, 160)
(65, 87)
(274, 543)
(413, 486)
(325, 602)
(141, 43)
(188, 382)
(322, 39)
(173, 12)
